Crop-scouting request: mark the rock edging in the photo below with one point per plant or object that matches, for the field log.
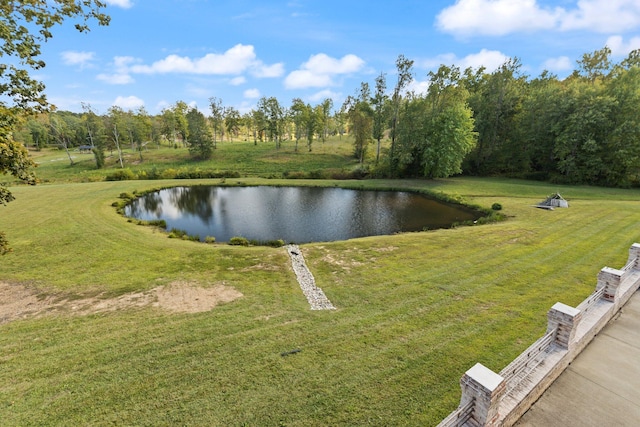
(317, 299)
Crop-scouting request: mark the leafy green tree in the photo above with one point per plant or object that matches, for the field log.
(596, 65)
(138, 127)
(95, 134)
(598, 136)
(62, 132)
(306, 121)
(340, 120)
(379, 103)
(583, 131)
(404, 69)
(232, 121)
(450, 124)
(360, 116)
(38, 131)
(437, 131)
(24, 26)
(536, 126)
(14, 160)
(275, 117)
(315, 122)
(298, 112)
(623, 152)
(200, 139)
(168, 125)
(496, 106)
(258, 125)
(217, 118)
(115, 124)
(156, 130)
(180, 110)
(323, 117)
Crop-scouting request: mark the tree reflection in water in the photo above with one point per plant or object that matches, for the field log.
(294, 214)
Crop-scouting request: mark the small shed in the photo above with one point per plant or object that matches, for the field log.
(553, 201)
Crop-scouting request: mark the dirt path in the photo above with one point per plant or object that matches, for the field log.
(20, 302)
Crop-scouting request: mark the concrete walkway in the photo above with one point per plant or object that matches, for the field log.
(602, 385)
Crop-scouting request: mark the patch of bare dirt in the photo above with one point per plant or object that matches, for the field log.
(20, 302)
(183, 297)
(17, 302)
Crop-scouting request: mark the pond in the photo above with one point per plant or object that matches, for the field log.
(294, 214)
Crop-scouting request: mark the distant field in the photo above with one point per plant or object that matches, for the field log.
(415, 310)
(242, 157)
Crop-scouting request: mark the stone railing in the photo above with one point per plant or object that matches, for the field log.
(491, 399)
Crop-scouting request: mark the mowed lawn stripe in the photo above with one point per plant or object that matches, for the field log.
(415, 310)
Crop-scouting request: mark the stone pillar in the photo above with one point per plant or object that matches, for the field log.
(609, 278)
(485, 388)
(564, 320)
(634, 256)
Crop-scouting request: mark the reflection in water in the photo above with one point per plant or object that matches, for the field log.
(293, 214)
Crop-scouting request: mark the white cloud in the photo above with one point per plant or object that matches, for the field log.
(115, 79)
(435, 62)
(562, 63)
(324, 64)
(418, 87)
(320, 69)
(246, 107)
(236, 60)
(122, 62)
(237, 81)
(82, 59)
(324, 94)
(121, 75)
(162, 105)
(619, 48)
(267, 71)
(128, 102)
(489, 59)
(500, 17)
(301, 79)
(495, 17)
(125, 4)
(603, 16)
(251, 94)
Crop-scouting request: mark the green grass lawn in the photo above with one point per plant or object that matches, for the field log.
(415, 310)
(241, 157)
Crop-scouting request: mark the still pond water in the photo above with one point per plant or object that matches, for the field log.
(293, 214)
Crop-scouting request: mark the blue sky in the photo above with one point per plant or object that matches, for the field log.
(157, 52)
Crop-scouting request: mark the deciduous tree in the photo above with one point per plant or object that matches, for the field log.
(232, 121)
(217, 118)
(437, 131)
(24, 26)
(379, 102)
(200, 140)
(404, 69)
(274, 115)
(115, 120)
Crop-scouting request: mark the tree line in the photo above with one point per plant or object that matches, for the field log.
(582, 129)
